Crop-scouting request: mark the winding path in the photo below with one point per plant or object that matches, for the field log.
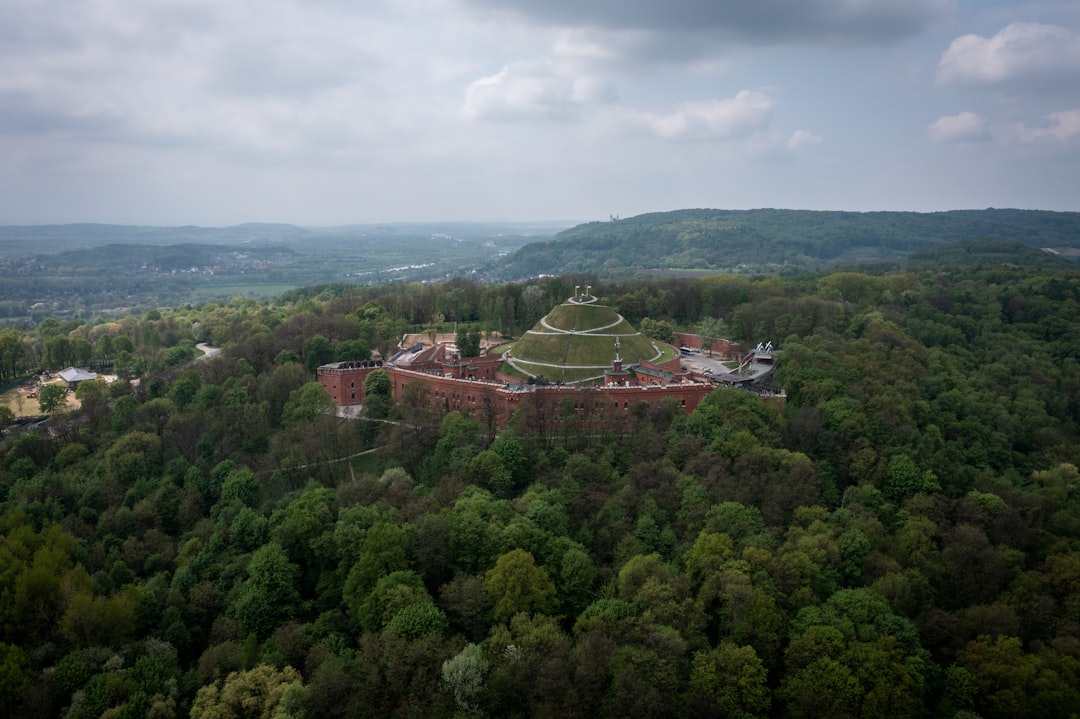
(207, 350)
(594, 331)
(516, 363)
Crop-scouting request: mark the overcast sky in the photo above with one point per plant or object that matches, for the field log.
(321, 112)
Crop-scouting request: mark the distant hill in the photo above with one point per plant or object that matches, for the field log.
(122, 259)
(771, 240)
(36, 240)
(972, 253)
(87, 268)
(49, 239)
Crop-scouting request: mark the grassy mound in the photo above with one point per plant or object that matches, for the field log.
(576, 342)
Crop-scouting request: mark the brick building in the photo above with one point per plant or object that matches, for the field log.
(474, 386)
(344, 381)
(477, 386)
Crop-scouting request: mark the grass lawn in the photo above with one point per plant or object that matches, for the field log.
(585, 316)
(29, 407)
(264, 291)
(669, 352)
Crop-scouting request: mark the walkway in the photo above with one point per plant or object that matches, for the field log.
(593, 332)
(514, 362)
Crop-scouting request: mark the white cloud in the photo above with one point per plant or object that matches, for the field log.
(802, 138)
(280, 77)
(321, 111)
(577, 46)
(533, 90)
(738, 117)
(962, 127)
(1059, 127)
(1020, 51)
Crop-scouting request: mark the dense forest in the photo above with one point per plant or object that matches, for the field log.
(755, 241)
(206, 538)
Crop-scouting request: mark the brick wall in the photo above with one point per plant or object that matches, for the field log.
(473, 387)
(720, 347)
(344, 381)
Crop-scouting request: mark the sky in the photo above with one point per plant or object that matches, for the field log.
(329, 112)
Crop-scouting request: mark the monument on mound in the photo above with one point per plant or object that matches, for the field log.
(575, 343)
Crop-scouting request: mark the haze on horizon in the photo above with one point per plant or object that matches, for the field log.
(194, 112)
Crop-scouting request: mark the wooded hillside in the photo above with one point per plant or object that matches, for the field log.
(772, 240)
(902, 541)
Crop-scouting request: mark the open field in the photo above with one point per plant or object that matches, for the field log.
(21, 405)
(260, 291)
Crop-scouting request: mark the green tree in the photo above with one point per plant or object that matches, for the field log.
(263, 691)
(433, 326)
(824, 687)
(468, 341)
(133, 457)
(241, 485)
(180, 353)
(105, 348)
(286, 356)
(378, 390)
(97, 621)
(657, 329)
(378, 383)
(7, 418)
(53, 398)
(731, 680)
(575, 580)
(514, 458)
(464, 676)
(12, 354)
(82, 352)
(307, 404)
(184, 389)
(903, 479)
(418, 620)
(93, 396)
(711, 329)
(391, 594)
(467, 605)
(516, 585)
(530, 668)
(14, 674)
(459, 438)
(383, 550)
(269, 594)
(353, 350)
(1010, 682)
(318, 351)
(854, 653)
(57, 352)
(304, 529)
(248, 530)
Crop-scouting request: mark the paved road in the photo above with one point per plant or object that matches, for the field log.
(207, 350)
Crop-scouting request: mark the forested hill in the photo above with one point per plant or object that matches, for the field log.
(899, 540)
(768, 240)
(50, 239)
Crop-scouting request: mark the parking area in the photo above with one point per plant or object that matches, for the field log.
(703, 363)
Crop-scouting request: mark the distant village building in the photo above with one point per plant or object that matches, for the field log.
(73, 376)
